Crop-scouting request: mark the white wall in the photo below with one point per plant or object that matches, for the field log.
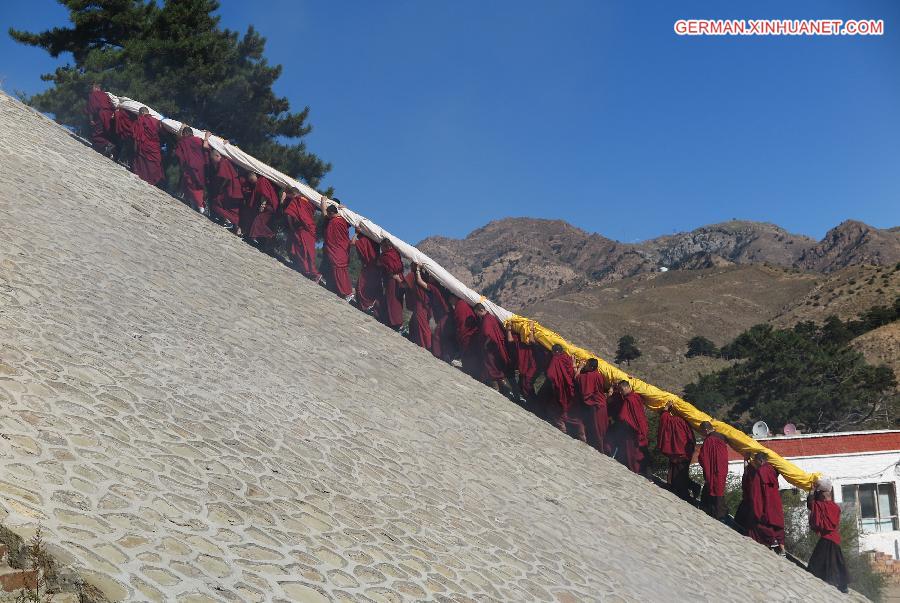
(845, 469)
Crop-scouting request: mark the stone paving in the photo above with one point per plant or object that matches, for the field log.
(191, 421)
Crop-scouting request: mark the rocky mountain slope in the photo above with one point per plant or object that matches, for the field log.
(519, 261)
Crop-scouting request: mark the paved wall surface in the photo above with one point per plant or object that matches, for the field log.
(191, 421)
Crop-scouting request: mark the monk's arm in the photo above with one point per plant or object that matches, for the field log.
(419, 280)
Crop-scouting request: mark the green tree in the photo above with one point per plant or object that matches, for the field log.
(627, 350)
(176, 58)
(701, 346)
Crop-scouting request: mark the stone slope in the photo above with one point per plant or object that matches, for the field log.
(191, 421)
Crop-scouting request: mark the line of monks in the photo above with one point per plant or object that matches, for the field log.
(576, 399)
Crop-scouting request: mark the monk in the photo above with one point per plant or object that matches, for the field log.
(442, 338)
(124, 123)
(557, 394)
(742, 514)
(827, 560)
(264, 201)
(675, 440)
(192, 159)
(495, 358)
(628, 436)
(523, 358)
(100, 111)
(226, 194)
(766, 512)
(713, 459)
(369, 291)
(300, 215)
(419, 303)
(392, 280)
(336, 256)
(147, 154)
(467, 336)
(590, 396)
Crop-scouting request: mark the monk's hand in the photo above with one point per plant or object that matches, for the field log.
(262, 206)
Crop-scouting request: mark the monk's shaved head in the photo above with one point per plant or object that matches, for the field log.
(707, 427)
(479, 309)
(143, 111)
(591, 364)
(556, 349)
(760, 458)
(187, 131)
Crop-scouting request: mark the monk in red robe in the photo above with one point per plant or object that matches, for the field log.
(192, 159)
(392, 280)
(675, 440)
(336, 256)
(147, 154)
(419, 303)
(100, 111)
(124, 123)
(300, 215)
(558, 391)
(628, 436)
(264, 201)
(468, 342)
(827, 560)
(743, 512)
(590, 397)
(226, 194)
(442, 338)
(523, 358)
(495, 358)
(766, 513)
(713, 459)
(369, 290)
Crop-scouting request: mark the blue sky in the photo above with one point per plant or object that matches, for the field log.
(440, 116)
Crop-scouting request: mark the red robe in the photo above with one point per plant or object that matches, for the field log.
(442, 339)
(561, 376)
(300, 214)
(148, 156)
(631, 429)
(369, 292)
(590, 393)
(825, 520)
(100, 111)
(496, 358)
(419, 303)
(227, 195)
(337, 256)
(192, 159)
(124, 125)
(766, 511)
(392, 264)
(263, 192)
(526, 364)
(713, 459)
(675, 438)
(467, 338)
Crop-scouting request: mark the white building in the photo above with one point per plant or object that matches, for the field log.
(864, 467)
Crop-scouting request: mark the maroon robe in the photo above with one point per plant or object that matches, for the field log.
(713, 459)
(337, 256)
(263, 192)
(496, 358)
(467, 338)
(124, 125)
(442, 338)
(742, 515)
(827, 560)
(227, 195)
(825, 520)
(192, 159)
(558, 398)
(675, 438)
(100, 113)
(419, 303)
(630, 441)
(526, 364)
(766, 514)
(392, 264)
(300, 214)
(590, 394)
(148, 156)
(369, 292)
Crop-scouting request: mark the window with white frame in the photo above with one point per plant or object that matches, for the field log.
(875, 505)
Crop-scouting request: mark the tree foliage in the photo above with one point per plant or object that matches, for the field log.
(701, 346)
(807, 375)
(627, 350)
(176, 58)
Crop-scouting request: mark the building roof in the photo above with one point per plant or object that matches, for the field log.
(819, 444)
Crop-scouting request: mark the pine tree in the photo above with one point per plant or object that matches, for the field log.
(177, 59)
(701, 346)
(627, 350)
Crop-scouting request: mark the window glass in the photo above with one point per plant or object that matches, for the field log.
(848, 495)
(868, 506)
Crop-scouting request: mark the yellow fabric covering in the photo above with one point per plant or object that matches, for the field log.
(656, 399)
